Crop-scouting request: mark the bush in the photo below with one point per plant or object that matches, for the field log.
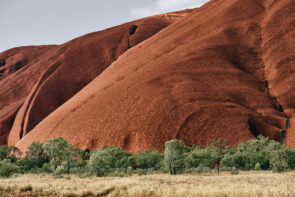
(201, 169)
(61, 169)
(27, 164)
(279, 161)
(46, 168)
(141, 172)
(7, 169)
(37, 153)
(149, 159)
(129, 170)
(257, 167)
(199, 156)
(117, 157)
(227, 161)
(4, 152)
(290, 152)
(100, 163)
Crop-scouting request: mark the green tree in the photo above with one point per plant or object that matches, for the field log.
(198, 157)
(58, 150)
(279, 160)
(26, 164)
(37, 152)
(99, 163)
(290, 152)
(4, 152)
(218, 149)
(117, 157)
(174, 155)
(149, 159)
(9, 152)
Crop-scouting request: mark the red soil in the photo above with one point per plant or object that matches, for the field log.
(223, 71)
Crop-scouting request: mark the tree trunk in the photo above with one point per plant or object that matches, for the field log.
(68, 167)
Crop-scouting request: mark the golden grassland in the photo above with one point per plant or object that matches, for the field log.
(245, 184)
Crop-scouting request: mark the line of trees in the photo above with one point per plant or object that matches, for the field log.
(59, 157)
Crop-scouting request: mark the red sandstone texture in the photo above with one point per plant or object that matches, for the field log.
(20, 68)
(35, 80)
(226, 70)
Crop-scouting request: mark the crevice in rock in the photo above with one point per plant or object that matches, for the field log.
(2, 62)
(269, 93)
(252, 128)
(133, 29)
(283, 137)
(20, 64)
(39, 83)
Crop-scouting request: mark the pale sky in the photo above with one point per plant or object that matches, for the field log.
(37, 22)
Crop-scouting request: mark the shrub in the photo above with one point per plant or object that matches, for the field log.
(141, 172)
(199, 156)
(257, 167)
(129, 170)
(100, 163)
(37, 153)
(117, 157)
(61, 169)
(46, 168)
(278, 161)
(149, 159)
(4, 152)
(234, 171)
(26, 164)
(290, 152)
(7, 169)
(227, 161)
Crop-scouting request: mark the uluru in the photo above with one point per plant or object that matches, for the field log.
(223, 70)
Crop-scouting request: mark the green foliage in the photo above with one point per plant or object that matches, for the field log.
(58, 150)
(106, 160)
(26, 164)
(99, 163)
(9, 152)
(7, 168)
(257, 167)
(290, 158)
(129, 170)
(234, 171)
(248, 155)
(118, 158)
(174, 155)
(57, 156)
(199, 157)
(4, 152)
(37, 153)
(149, 159)
(279, 161)
(83, 154)
(46, 168)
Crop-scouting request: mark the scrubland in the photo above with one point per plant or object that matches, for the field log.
(244, 184)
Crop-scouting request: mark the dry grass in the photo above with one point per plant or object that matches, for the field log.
(247, 184)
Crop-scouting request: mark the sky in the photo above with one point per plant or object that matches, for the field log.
(37, 22)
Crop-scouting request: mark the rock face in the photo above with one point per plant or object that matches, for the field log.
(226, 70)
(20, 68)
(37, 80)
